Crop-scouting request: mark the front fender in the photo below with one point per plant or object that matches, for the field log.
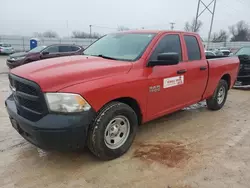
(102, 91)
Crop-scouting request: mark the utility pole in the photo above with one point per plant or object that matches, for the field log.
(67, 24)
(90, 31)
(199, 13)
(172, 25)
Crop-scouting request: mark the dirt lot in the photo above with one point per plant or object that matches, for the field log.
(188, 149)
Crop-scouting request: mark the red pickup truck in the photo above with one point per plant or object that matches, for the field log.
(121, 81)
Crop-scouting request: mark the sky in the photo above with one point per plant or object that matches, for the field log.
(24, 17)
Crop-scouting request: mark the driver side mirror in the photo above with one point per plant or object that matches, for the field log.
(45, 53)
(165, 59)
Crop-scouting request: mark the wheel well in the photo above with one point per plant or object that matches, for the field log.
(227, 78)
(134, 105)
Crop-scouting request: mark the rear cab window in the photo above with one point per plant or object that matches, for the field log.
(193, 48)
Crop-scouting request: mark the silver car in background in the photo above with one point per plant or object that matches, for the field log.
(6, 49)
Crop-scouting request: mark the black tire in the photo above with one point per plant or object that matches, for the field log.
(213, 103)
(96, 140)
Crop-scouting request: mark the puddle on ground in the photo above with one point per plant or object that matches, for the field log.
(171, 154)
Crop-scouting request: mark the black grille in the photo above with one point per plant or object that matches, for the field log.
(26, 88)
(28, 97)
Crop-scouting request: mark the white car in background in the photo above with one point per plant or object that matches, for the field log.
(6, 49)
(210, 53)
(225, 51)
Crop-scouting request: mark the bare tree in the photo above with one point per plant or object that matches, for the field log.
(122, 28)
(192, 26)
(37, 34)
(79, 34)
(50, 34)
(222, 36)
(82, 34)
(95, 35)
(240, 31)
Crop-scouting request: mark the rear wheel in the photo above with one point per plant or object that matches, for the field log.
(113, 131)
(217, 101)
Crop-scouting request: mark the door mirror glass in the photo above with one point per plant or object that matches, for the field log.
(164, 59)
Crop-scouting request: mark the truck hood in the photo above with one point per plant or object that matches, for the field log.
(57, 73)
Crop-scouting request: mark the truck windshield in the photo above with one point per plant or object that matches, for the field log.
(121, 46)
(243, 51)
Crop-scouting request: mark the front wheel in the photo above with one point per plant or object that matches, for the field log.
(113, 131)
(217, 101)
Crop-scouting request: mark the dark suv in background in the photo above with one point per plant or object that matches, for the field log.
(43, 52)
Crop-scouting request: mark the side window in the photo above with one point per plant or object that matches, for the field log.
(52, 49)
(65, 49)
(74, 48)
(193, 48)
(169, 43)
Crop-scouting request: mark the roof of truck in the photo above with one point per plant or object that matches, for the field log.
(155, 31)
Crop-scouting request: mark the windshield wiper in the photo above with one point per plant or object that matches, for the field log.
(106, 57)
(102, 56)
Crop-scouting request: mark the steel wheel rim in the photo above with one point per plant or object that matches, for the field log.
(117, 132)
(221, 95)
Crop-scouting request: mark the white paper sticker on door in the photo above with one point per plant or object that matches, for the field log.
(173, 81)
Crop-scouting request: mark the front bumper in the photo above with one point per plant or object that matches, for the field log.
(244, 79)
(54, 131)
(12, 64)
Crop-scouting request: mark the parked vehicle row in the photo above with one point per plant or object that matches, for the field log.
(122, 81)
(244, 72)
(43, 52)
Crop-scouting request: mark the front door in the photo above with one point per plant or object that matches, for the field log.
(167, 84)
(50, 52)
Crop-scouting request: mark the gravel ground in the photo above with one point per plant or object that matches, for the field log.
(191, 148)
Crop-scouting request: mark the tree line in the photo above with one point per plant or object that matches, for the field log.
(237, 32)
(75, 34)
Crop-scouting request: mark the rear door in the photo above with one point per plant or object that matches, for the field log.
(167, 84)
(65, 50)
(197, 68)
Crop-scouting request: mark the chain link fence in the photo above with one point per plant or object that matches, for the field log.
(23, 43)
(231, 45)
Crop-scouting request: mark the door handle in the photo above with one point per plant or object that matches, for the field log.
(181, 71)
(203, 68)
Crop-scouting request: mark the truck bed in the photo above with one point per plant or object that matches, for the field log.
(219, 67)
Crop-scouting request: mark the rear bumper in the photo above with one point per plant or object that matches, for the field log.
(54, 131)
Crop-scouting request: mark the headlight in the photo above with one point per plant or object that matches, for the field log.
(16, 58)
(66, 102)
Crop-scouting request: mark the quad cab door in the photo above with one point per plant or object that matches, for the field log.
(167, 84)
(197, 68)
(50, 52)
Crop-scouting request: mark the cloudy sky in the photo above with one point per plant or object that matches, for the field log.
(24, 17)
